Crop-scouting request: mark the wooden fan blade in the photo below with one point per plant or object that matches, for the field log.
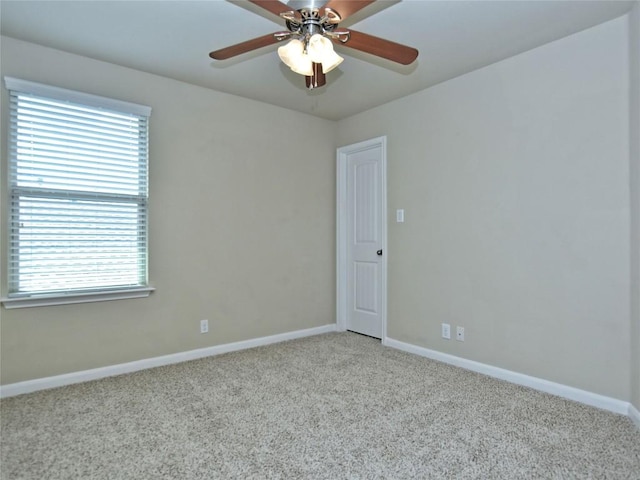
(346, 8)
(380, 47)
(273, 6)
(244, 47)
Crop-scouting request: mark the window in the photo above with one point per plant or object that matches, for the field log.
(78, 171)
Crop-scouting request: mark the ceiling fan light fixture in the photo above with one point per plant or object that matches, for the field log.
(315, 29)
(302, 65)
(331, 61)
(320, 50)
(293, 56)
(289, 52)
(318, 47)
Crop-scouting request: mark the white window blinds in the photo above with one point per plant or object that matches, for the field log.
(79, 192)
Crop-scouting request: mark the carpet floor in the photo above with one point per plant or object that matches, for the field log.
(332, 406)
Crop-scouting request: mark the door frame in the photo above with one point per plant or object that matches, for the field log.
(341, 231)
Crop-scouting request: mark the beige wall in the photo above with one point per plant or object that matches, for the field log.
(241, 225)
(634, 25)
(515, 184)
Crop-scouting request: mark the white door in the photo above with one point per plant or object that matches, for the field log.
(362, 237)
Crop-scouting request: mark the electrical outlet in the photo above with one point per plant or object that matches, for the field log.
(446, 331)
(460, 334)
(204, 326)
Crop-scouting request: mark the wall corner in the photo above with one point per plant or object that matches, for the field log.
(634, 179)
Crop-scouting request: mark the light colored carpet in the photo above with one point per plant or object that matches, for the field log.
(328, 407)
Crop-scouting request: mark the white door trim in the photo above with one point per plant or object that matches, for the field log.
(341, 231)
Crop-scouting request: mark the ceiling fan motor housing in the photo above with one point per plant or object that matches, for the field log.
(308, 21)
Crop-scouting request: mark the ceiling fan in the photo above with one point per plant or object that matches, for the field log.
(312, 31)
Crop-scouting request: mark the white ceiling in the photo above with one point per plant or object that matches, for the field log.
(173, 39)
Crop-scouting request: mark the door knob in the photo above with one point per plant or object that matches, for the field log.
(379, 252)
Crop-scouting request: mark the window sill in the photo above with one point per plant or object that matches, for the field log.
(66, 299)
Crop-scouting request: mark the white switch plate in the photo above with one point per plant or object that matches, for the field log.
(400, 215)
(204, 326)
(446, 331)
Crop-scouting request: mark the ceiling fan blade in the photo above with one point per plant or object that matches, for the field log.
(273, 6)
(245, 47)
(346, 8)
(380, 47)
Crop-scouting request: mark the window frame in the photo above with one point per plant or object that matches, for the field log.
(25, 299)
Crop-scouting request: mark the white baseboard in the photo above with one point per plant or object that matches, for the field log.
(564, 391)
(634, 414)
(119, 369)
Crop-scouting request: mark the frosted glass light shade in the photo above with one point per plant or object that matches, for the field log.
(303, 65)
(293, 56)
(320, 50)
(331, 61)
(318, 46)
(291, 50)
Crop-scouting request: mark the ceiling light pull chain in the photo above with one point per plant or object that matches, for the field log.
(317, 79)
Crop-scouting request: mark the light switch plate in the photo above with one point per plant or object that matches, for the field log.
(446, 331)
(400, 215)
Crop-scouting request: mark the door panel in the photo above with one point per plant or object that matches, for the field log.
(366, 295)
(364, 186)
(364, 214)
